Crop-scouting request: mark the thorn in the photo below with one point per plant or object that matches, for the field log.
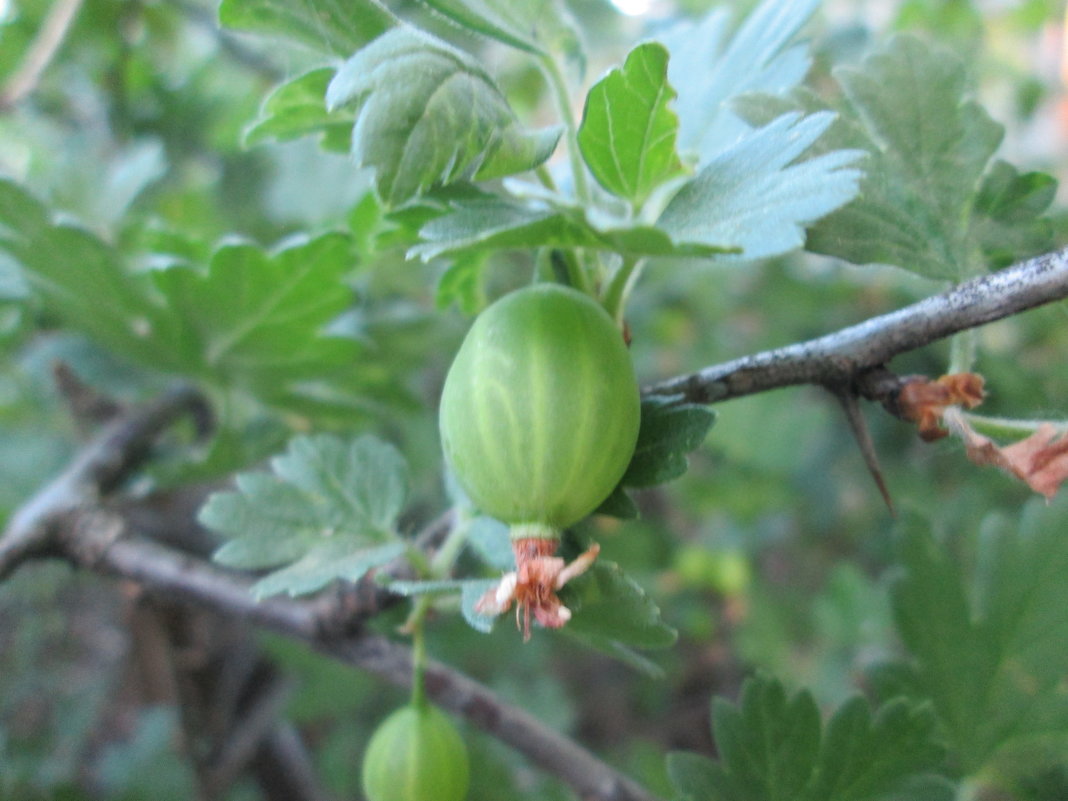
(859, 426)
(88, 406)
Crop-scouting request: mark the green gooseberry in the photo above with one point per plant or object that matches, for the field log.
(540, 410)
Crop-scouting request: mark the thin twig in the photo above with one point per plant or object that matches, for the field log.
(284, 770)
(839, 359)
(40, 53)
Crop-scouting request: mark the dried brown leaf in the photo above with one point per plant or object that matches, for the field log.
(924, 402)
(1040, 460)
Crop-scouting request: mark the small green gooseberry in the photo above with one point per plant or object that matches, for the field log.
(416, 754)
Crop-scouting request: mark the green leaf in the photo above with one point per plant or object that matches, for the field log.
(490, 223)
(769, 743)
(326, 511)
(429, 587)
(541, 27)
(928, 144)
(669, 430)
(81, 280)
(1008, 214)
(321, 565)
(461, 283)
(757, 197)
(298, 108)
(862, 757)
(707, 73)
(772, 747)
(618, 504)
(610, 611)
(470, 595)
(338, 28)
(489, 539)
(992, 667)
(627, 136)
(450, 123)
(253, 320)
(695, 777)
(256, 319)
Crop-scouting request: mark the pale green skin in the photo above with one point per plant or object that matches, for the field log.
(540, 410)
(416, 754)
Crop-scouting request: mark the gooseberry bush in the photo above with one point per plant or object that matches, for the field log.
(387, 407)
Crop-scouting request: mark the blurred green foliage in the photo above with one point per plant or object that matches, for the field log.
(772, 552)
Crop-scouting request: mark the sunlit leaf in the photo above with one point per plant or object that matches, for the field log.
(758, 196)
(627, 136)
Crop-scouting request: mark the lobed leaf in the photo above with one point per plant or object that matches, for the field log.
(326, 511)
(612, 610)
(669, 431)
(1008, 214)
(627, 136)
(337, 27)
(257, 319)
(297, 108)
(461, 283)
(930, 201)
(773, 747)
(470, 595)
(81, 280)
(756, 197)
(993, 668)
(253, 319)
(488, 223)
(428, 114)
(707, 71)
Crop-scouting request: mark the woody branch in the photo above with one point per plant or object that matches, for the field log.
(840, 360)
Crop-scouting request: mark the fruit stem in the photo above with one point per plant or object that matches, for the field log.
(962, 351)
(441, 563)
(416, 626)
(558, 87)
(533, 531)
(619, 287)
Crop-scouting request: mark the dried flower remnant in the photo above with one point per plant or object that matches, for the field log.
(924, 402)
(1040, 460)
(534, 583)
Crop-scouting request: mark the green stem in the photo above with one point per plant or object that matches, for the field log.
(962, 350)
(545, 178)
(416, 623)
(1008, 428)
(419, 561)
(619, 287)
(558, 86)
(450, 549)
(533, 531)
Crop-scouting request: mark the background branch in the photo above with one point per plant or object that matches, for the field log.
(40, 53)
(98, 468)
(838, 360)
